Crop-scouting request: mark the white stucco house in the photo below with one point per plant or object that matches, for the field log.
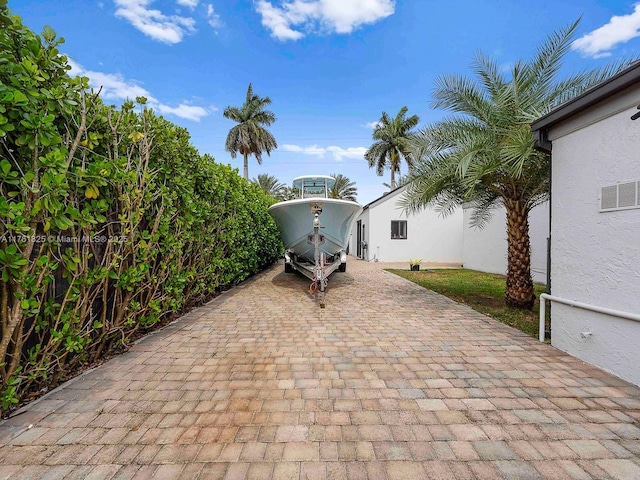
(595, 224)
(383, 232)
(392, 236)
(486, 249)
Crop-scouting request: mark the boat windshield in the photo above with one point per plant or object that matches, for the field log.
(313, 187)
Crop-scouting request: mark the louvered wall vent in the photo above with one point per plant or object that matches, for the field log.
(620, 196)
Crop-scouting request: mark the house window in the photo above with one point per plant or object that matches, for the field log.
(399, 229)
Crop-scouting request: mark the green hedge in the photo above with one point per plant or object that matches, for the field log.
(110, 220)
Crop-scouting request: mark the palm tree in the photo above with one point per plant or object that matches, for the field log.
(249, 136)
(288, 193)
(343, 188)
(485, 157)
(269, 184)
(392, 143)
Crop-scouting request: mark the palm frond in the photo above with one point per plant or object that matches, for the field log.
(482, 209)
(433, 182)
(343, 188)
(517, 149)
(462, 95)
(542, 70)
(269, 184)
(489, 73)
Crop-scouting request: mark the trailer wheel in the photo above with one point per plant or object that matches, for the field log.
(342, 267)
(288, 268)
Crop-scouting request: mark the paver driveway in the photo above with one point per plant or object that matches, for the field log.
(389, 381)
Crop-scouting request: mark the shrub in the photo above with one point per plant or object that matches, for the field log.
(110, 220)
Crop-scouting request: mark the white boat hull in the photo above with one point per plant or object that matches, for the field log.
(295, 221)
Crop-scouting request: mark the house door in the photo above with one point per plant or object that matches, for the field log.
(359, 238)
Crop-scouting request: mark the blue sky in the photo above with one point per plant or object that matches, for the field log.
(330, 67)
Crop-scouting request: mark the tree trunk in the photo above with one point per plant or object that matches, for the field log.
(519, 292)
(393, 170)
(246, 166)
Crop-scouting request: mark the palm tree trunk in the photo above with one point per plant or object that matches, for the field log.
(393, 169)
(246, 166)
(519, 292)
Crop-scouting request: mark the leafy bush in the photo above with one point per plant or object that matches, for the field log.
(110, 220)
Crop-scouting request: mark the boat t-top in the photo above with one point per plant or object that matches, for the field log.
(315, 230)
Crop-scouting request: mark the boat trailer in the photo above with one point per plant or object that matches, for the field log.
(318, 271)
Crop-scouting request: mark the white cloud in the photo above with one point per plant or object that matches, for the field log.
(620, 29)
(338, 153)
(116, 88)
(188, 3)
(213, 18)
(153, 23)
(352, 152)
(291, 148)
(274, 20)
(189, 112)
(340, 16)
(373, 125)
(76, 69)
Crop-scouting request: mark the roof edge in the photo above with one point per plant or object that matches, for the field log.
(592, 96)
(386, 195)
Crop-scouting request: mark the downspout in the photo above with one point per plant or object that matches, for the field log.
(543, 144)
(548, 289)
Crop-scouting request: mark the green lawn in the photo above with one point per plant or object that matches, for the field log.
(484, 292)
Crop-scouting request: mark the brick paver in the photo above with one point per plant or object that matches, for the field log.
(388, 381)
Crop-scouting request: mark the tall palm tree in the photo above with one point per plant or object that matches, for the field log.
(343, 188)
(485, 156)
(392, 138)
(269, 184)
(250, 137)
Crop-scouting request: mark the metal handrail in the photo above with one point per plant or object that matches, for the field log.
(584, 306)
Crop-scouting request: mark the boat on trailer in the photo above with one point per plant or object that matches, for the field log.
(315, 230)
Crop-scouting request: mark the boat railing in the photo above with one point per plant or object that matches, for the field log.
(314, 194)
